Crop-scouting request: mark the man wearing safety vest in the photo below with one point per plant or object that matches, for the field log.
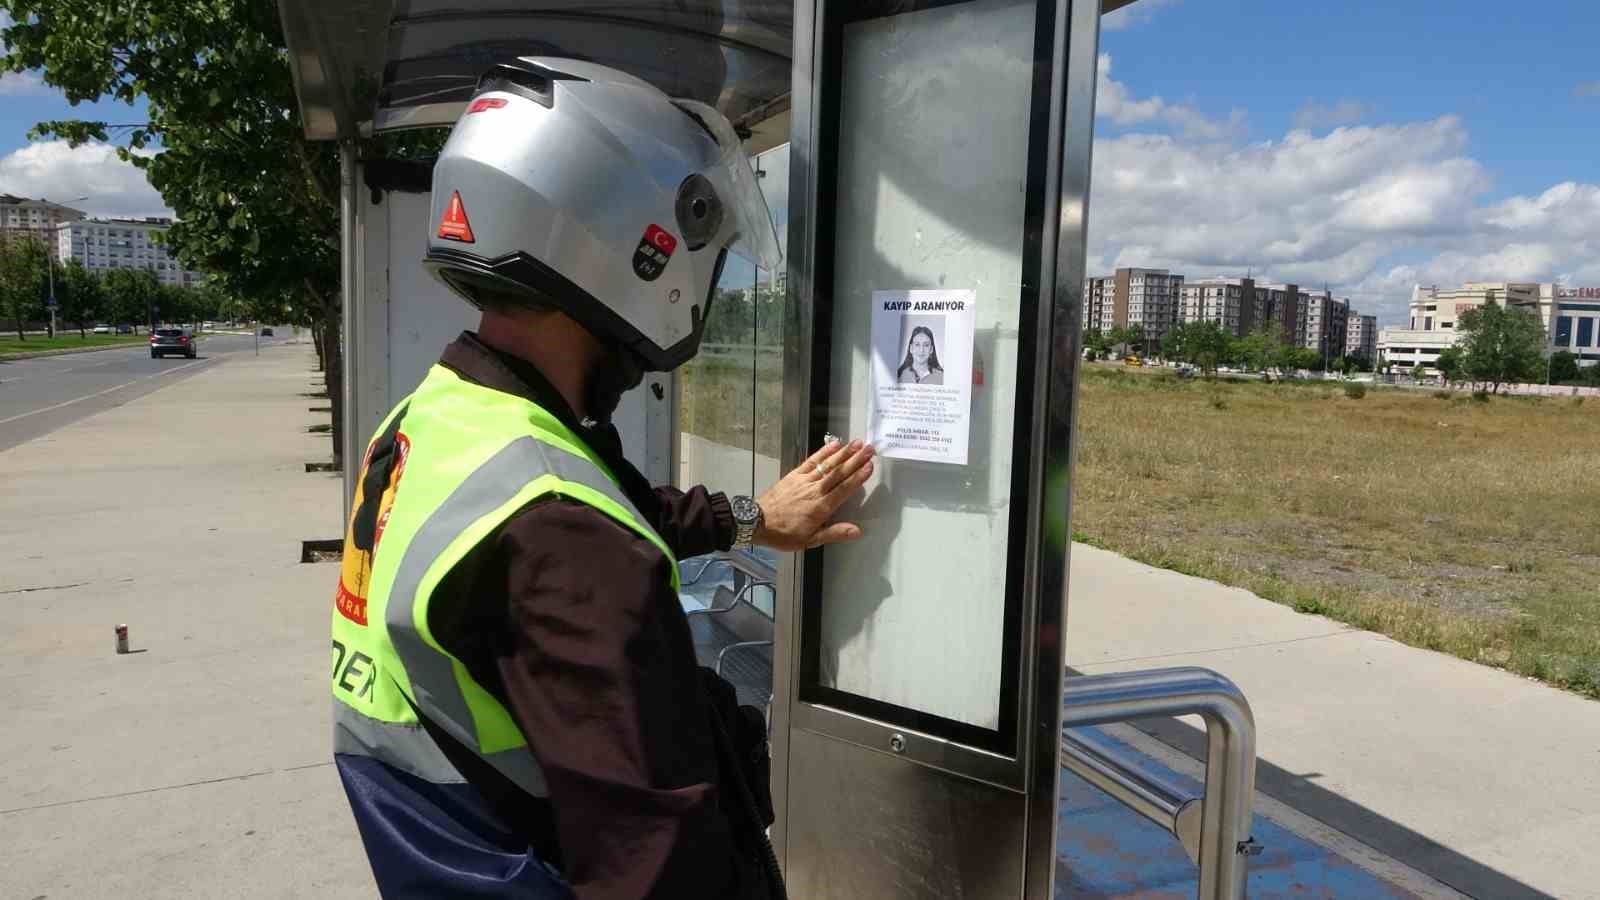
(517, 707)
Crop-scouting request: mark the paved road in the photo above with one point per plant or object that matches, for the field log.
(37, 396)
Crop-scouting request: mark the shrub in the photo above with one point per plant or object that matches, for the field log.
(1441, 395)
(1481, 396)
(1355, 390)
(1218, 401)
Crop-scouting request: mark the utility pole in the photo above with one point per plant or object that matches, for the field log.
(50, 261)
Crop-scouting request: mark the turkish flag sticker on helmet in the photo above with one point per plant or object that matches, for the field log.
(655, 248)
(454, 225)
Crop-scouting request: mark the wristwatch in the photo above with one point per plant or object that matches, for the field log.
(747, 518)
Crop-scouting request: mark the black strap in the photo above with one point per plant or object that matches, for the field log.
(380, 465)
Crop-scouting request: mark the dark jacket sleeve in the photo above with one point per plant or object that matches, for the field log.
(695, 521)
(600, 674)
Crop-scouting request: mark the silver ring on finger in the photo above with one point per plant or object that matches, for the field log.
(821, 472)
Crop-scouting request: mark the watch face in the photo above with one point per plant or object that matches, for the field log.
(744, 509)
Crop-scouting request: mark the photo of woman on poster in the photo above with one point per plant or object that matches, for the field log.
(921, 365)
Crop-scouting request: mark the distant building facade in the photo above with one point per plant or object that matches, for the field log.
(1361, 337)
(1324, 323)
(1570, 317)
(102, 245)
(1147, 298)
(38, 218)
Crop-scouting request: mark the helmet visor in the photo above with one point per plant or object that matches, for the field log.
(753, 234)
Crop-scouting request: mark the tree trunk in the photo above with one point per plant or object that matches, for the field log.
(333, 379)
(332, 364)
(20, 335)
(316, 341)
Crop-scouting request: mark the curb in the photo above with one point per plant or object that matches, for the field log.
(39, 354)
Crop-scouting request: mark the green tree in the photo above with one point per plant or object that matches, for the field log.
(1451, 365)
(132, 296)
(1126, 337)
(22, 280)
(1500, 345)
(257, 203)
(1563, 367)
(1419, 372)
(1097, 343)
(79, 295)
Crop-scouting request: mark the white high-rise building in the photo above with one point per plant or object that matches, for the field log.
(102, 245)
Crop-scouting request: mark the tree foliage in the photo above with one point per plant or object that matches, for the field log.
(1203, 343)
(257, 204)
(22, 280)
(1563, 367)
(1500, 345)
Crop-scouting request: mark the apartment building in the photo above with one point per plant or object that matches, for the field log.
(105, 244)
(39, 218)
(1281, 304)
(1144, 297)
(1323, 323)
(1218, 300)
(1361, 337)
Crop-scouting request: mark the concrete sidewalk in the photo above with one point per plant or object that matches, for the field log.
(1484, 780)
(198, 766)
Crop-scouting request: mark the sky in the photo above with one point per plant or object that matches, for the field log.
(1368, 145)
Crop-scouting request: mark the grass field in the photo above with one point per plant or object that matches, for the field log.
(1442, 521)
(65, 341)
(1448, 523)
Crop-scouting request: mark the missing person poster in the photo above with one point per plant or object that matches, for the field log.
(922, 374)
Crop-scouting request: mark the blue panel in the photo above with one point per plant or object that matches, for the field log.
(1586, 332)
(1105, 850)
(1563, 331)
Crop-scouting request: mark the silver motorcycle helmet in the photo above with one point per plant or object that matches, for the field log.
(574, 186)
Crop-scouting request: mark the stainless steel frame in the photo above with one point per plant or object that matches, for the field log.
(352, 332)
(1224, 840)
(1019, 791)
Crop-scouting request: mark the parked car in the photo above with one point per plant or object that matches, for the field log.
(266, 332)
(167, 341)
(124, 329)
(1132, 361)
(102, 329)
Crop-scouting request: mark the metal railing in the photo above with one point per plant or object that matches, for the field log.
(1166, 805)
(1221, 836)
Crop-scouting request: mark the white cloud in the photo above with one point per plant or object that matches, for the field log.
(53, 169)
(1314, 116)
(1587, 89)
(1113, 101)
(1134, 15)
(14, 84)
(1369, 210)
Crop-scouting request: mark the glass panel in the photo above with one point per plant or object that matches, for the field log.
(1564, 331)
(1585, 332)
(929, 203)
(730, 396)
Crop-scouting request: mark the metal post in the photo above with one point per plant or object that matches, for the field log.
(350, 325)
(1230, 754)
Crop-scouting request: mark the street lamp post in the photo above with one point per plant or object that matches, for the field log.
(50, 262)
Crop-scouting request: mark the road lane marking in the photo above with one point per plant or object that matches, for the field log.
(102, 393)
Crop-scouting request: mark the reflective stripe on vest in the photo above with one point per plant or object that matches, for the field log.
(533, 459)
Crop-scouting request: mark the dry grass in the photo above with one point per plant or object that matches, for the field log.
(1445, 523)
(1441, 521)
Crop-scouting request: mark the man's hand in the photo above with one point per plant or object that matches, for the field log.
(795, 511)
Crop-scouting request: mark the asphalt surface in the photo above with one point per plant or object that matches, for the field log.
(37, 396)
